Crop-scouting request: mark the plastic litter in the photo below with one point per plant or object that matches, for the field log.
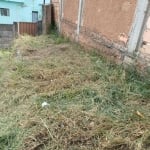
(44, 104)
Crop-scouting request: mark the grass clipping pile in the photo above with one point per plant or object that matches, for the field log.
(76, 129)
(92, 104)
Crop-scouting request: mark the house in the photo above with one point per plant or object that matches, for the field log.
(22, 16)
(21, 11)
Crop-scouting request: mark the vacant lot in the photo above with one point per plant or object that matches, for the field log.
(90, 103)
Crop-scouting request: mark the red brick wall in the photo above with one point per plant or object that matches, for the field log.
(110, 18)
(48, 16)
(105, 25)
(55, 8)
(70, 17)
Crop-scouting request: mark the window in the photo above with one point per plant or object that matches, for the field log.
(4, 12)
(34, 16)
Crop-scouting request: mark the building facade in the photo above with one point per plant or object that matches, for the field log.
(21, 10)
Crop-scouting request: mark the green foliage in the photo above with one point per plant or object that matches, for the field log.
(58, 39)
(7, 141)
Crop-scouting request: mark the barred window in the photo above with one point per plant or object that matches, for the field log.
(4, 12)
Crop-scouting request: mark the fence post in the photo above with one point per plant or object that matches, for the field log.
(44, 19)
(18, 23)
(138, 25)
(80, 10)
(60, 14)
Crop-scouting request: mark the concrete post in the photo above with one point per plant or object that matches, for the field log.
(43, 19)
(61, 4)
(139, 18)
(18, 24)
(79, 18)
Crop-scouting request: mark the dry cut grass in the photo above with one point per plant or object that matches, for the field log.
(93, 104)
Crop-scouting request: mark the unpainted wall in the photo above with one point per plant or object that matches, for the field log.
(111, 19)
(48, 17)
(70, 10)
(55, 11)
(70, 18)
(146, 36)
(46, 20)
(145, 49)
(7, 34)
(102, 23)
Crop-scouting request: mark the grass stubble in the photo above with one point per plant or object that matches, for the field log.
(93, 104)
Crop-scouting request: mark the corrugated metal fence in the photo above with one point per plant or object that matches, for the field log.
(35, 28)
(28, 28)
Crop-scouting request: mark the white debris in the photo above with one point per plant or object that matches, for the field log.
(19, 55)
(44, 104)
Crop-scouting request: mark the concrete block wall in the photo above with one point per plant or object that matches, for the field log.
(6, 35)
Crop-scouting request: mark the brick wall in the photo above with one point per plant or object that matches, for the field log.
(70, 18)
(48, 17)
(55, 11)
(144, 55)
(6, 35)
(46, 20)
(104, 25)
